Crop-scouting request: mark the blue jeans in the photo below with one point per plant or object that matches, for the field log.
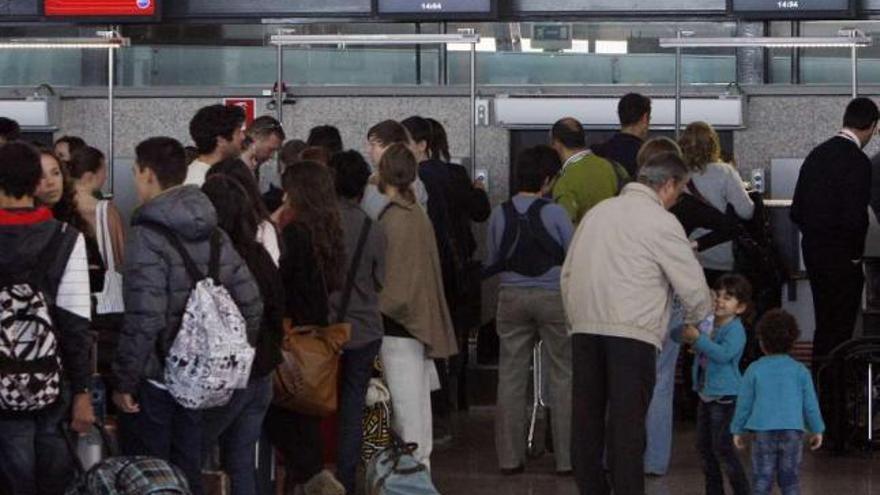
(357, 369)
(659, 420)
(34, 458)
(165, 429)
(237, 427)
(777, 454)
(715, 444)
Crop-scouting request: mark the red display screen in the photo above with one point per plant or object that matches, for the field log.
(100, 8)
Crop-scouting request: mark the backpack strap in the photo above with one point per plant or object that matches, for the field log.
(46, 259)
(550, 245)
(191, 268)
(214, 262)
(508, 238)
(352, 270)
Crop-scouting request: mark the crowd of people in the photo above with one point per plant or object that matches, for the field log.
(606, 254)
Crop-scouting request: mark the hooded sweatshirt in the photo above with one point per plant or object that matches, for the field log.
(157, 286)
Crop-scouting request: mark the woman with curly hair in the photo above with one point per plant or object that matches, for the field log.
(56, 191)
(312, 266)
(716, 183)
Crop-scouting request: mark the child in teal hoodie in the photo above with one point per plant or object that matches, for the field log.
(717, 380)
(777, 402)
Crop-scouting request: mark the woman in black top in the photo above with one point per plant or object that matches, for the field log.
(237, 425)
(692, 212)
(312, 266)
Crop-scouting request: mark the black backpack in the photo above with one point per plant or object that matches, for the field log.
(30, 366)
(526, 246)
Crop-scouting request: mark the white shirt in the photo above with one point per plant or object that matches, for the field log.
(268, 237)
(74, 293)
(195, 174)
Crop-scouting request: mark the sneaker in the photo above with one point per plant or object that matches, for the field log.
(323, 483)
(513, 471)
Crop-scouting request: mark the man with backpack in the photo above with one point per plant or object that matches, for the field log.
(44, 339)
(528, 239)
(174, 242)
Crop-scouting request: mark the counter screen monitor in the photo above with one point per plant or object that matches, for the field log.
(792, 9)
(436, 10)
(105, 10)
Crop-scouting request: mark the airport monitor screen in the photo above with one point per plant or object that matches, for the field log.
(110, 10)
(436, 10)
(793, 9)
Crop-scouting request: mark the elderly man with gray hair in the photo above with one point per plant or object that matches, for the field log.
(626, 259)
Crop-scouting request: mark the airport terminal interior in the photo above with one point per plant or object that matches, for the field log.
(765, 84)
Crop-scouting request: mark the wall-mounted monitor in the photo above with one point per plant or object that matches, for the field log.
(793, 9)
(102, 10)
(436, 10)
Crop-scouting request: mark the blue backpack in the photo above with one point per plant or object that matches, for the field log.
(396, 471)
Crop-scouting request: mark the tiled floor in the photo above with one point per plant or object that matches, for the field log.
(468, 467)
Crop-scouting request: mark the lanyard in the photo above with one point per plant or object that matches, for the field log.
(575, 157)
(848, 134)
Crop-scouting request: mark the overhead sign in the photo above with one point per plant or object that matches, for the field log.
(793, 9)
(436, 9)
(103, 9)
(249, 105)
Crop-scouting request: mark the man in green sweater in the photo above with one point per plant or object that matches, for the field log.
(585, 178)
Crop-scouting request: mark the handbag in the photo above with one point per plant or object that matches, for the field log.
(109, 300)
(376, 422)
(306, 381)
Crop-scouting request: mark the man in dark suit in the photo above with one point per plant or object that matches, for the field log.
(831, 208)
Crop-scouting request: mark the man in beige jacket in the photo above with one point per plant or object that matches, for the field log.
(625, 261)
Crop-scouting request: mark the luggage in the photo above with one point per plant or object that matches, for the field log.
(136, 475)
(377, 420)
(395, 471)
(210, 357)
(30, 365)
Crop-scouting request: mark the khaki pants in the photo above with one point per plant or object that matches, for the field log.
(524, 316)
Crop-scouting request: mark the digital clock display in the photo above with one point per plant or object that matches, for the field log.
(826, 9)
(431, 8)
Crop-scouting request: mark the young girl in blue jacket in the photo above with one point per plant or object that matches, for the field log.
(716, 378)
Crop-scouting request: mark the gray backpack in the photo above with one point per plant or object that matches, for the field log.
(210, 357)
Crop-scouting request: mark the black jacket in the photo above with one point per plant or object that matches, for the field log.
(22, 243)
(453, 203)
(621, 148)
(305, 288)
(157, 286)
(694, 214)
(831, 198)
(268, 342)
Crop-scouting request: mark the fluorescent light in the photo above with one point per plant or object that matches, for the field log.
(372, 39)
(764, 42)
(107, 42)
(578, 46)
(485, 45)
(526, 46)
(611, 47)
